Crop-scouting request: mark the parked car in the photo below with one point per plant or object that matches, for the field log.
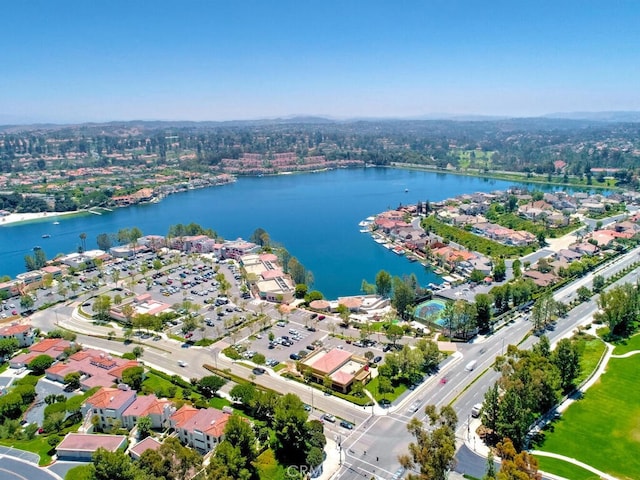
(294, 356)
(378, 359)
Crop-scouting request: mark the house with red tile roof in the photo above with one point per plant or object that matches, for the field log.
(82, 446)
(158, 410)
(53, 347)
(22, 333)
(98, 369)
(108, 405)
(139, 448)
(341, 366)
(201, 429)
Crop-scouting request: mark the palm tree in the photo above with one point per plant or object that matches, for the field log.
(83, 242)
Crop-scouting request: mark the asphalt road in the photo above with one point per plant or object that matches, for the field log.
(13, 469)
(384, 438)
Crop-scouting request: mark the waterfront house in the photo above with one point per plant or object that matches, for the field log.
(237, 248)
(11, 288)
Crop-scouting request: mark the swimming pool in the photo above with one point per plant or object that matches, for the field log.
(429, 312)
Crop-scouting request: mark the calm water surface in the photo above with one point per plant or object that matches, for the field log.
(315, 216)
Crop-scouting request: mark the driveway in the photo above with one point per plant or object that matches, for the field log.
(43, 388)
(20, 465)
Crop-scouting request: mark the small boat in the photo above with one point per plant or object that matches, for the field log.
(406, 190)
(56, 223)
(364, 230)
(37, 247)
(46, 235)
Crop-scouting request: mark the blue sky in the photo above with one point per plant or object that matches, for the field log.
(97, 60)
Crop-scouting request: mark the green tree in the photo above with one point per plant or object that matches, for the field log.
(137, 351)
(259, 359)
(514, 418)
(133, 376)
(383, 283)
(72, 380)
(403, 296)
(566, 358)
(491, 408)
(584, 293)
(39, 364)
(244, 393)
(210, 385)
(517, 268)
(26, 301)
(114, 466)
(499, 270)
(514, 465)
(144, 425)
(394, 333)
(104, 241)
(289, 426)
(102, 306)
(240, 435)
(53, 422)
(598, 283)
(484, 311)
(8, 346)
(229, 464)
(384, 385)
(619, 308)
(432, 453)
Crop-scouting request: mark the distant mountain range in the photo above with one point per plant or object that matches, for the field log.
(616, 116)
(9, 123)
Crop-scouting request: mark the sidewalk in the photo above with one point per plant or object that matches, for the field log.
(475, 444)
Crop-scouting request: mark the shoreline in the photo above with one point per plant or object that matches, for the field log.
(19, 218)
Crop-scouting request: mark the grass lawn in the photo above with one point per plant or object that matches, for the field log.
(565, 469)
(398, 390)
(159, 384)
(217, 402)
(592, 350)
(627, 345)
(268, 467)
(602, 429)
(38, 446)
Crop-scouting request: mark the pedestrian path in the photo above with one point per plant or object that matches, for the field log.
(477, 445)
(600, 473)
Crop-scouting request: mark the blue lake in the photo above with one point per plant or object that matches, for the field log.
(315, 216)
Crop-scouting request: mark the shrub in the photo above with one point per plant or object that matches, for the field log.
(55, 408)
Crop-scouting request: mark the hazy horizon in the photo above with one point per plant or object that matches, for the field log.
(76, 61)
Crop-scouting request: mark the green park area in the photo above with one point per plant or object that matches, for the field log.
(627, 345)
(565, 469)
(601, 429)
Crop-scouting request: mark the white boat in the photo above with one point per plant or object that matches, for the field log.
(56, 223)
(364, 230)
(378, 240)
(364, 223)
